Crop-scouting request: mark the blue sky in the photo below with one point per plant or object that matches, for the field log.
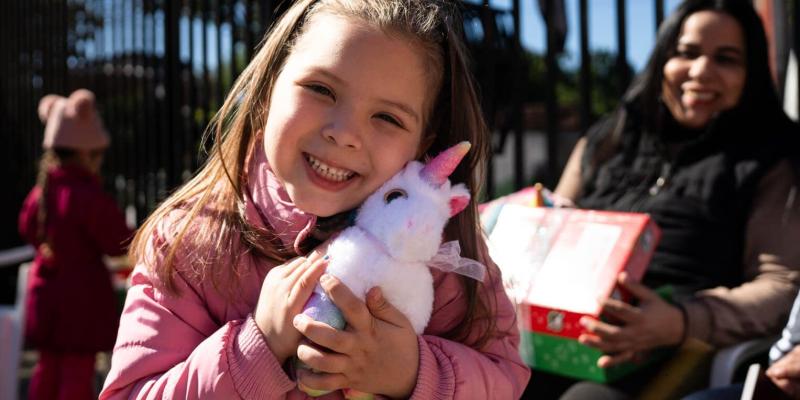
(640, 19)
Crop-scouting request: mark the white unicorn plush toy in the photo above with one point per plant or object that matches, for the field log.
(397, 236)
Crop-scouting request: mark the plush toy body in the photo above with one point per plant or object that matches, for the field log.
(397, 233)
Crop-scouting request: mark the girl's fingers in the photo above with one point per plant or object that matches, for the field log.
(381, 309)
(354, 310)
(308, 277)
(320, 360)
(323, 334)
(294, 268)
(321, 381)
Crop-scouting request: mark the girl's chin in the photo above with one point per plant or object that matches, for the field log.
(321, 207)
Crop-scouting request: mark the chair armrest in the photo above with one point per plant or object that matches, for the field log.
(729, 359)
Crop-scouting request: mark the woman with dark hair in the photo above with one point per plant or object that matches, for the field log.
(701, 143)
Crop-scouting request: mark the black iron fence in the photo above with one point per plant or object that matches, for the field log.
(161, 68)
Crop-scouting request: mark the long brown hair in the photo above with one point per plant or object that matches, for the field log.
(217, 186)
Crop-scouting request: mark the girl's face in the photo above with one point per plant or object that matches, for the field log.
(346, 113)
(708, 71)
(92, 160)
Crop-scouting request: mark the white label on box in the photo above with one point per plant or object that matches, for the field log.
(569, 279)
(519, 244)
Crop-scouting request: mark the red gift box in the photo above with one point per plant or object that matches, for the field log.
(560, 265)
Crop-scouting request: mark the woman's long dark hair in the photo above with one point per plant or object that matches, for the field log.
(759, 100)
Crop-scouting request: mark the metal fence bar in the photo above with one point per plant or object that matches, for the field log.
(515, 100)
(622, 48)
(659, 13)
(551, 102)
(586, 67)
(796, 47)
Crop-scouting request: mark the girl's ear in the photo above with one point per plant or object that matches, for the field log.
(458, 202)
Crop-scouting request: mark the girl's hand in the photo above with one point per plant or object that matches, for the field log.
(283, 294)
(652, 324)
(377, 352)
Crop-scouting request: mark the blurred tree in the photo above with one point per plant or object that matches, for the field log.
(604, 75)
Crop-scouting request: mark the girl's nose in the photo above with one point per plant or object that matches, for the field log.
(701, 68)
(344, 131)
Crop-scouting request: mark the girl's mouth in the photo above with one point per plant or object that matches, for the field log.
(328, 172)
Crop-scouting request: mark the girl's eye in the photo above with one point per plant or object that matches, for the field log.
(321, 90)
(394, 194)
(390, 119)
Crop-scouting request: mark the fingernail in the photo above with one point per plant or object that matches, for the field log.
(324, 278)
(375, 294)
(584, 322)
(326, 258)
(298, 319)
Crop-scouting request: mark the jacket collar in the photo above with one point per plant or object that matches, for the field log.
(72, 172)
(268, 206)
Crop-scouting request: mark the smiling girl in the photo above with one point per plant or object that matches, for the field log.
(342, 94)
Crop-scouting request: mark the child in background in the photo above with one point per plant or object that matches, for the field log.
(71, 309)
(339, 98)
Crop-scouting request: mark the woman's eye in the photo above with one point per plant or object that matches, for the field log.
(390, 119)
(688, 54)
(320, 90)
(728, 60)
(394, 194)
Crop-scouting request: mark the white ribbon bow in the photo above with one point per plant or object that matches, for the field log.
(448, 258)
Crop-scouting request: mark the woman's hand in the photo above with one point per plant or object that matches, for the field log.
(377, 352)
(786, 373)
(652, 324)
(283, 294)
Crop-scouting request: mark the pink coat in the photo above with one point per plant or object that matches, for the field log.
(204, 345)
(70, 302)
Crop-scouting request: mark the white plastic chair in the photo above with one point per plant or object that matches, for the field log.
(12, 325)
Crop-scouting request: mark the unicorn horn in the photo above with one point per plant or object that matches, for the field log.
(437, 170)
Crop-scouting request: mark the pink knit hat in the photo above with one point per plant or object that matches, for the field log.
(72, 122)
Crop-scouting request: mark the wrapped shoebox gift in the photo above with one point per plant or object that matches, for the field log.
(560, 264)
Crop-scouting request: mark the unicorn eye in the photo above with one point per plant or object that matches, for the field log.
(394, 194)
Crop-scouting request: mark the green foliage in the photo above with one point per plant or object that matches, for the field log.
(605, 82)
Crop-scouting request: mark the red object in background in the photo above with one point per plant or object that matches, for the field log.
(71, 305)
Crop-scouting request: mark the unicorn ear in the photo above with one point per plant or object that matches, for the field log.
(458, 203)
(459, 198)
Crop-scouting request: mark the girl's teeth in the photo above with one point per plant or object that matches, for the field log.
(331, 173)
